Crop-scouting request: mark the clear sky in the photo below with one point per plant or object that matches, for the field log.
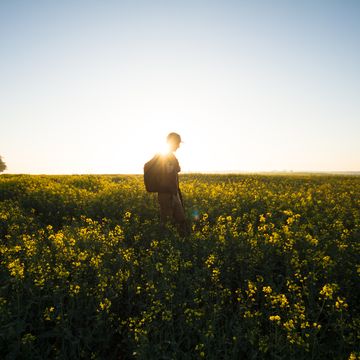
(95, 86)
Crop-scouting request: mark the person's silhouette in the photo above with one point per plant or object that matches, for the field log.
(170, 202)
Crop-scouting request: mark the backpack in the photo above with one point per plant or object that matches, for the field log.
(154, 174)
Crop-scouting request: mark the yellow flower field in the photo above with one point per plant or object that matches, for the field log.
(270, 271)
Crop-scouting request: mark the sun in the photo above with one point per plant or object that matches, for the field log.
(134, 145)
(134, 154)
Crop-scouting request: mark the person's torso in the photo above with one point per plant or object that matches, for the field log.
(171, 170)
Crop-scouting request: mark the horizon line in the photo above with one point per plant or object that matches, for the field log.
(215, 172)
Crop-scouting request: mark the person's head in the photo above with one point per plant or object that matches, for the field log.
(173, 140)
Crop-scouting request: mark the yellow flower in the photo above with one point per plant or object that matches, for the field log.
(280, 300)
(74, 289)
(105, 305)
(274, 318)
(154, 244)
(215, 274)
(328, 290)
(341, 304)
(210, 260)
(47, 313)
(267, 289)
(289, 325)
(16, 269)
(354, 356)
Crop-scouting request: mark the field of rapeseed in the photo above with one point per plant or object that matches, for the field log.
(270, 271)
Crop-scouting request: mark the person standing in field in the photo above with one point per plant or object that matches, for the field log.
(170, 201)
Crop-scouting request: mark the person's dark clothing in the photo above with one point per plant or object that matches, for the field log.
(170, 201)
(171, 170)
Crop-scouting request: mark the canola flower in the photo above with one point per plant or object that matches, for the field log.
(269, 271)
(16, 269)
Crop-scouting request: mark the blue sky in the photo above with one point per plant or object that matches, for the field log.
(95, 86)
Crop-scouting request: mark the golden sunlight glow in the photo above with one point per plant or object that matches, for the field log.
(149, 140)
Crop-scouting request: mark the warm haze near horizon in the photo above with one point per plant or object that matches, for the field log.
(95, 87)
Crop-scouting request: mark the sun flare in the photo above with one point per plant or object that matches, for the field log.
(151, 140)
